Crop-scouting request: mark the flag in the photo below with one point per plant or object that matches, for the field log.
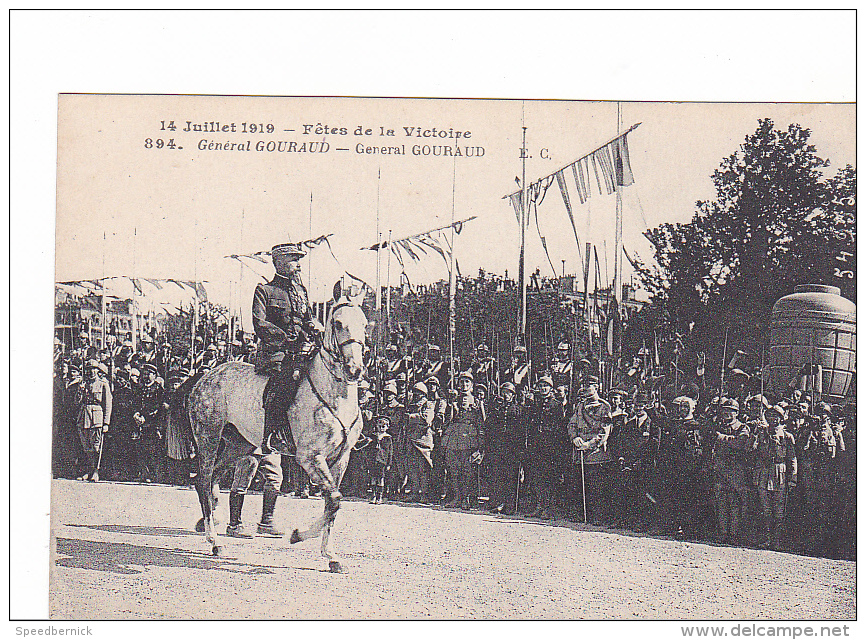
(622, 163)
(515, 202)
(563, 189)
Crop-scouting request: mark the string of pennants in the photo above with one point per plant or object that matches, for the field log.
(97, 285)
(415, 246)
(609, 165)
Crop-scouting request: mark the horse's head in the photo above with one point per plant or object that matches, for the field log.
(346, 332)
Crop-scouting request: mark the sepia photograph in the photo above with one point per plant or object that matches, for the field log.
(328, 316)
(473, 356)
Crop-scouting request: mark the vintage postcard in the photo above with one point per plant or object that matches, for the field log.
(368, 358)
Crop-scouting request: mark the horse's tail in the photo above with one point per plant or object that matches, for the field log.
(179, 441)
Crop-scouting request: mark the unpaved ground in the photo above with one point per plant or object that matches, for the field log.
(129, 551)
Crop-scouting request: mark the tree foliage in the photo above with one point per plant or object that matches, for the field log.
(776, 222)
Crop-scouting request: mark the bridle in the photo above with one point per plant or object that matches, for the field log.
(334, 359)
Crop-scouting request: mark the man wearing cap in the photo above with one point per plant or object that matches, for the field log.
(589, 430)
(505, 441)
(150, 417)
(420, 436)
(520, 371)
(94, 416)
(547, 447)
(775, 472)
(123, 425)
(730, 482)
(462, 438)
(284, 323)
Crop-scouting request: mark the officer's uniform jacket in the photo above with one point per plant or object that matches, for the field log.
(281, 318)
(591, 423)
(150, 401)
(505, 434)
(776, 459)
(637, 443)
(731, 454)
(464, 431)
(95, 404)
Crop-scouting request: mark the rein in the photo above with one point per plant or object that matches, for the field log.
(333, 360)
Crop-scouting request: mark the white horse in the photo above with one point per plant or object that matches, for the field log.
(227, 418)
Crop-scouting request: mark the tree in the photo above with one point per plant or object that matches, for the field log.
(776, 222)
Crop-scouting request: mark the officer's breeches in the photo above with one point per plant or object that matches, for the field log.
(245, 471)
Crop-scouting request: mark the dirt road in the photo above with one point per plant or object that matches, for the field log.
(129, 551)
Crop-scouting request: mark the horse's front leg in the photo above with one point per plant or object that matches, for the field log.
(317, 468)
(334, 565)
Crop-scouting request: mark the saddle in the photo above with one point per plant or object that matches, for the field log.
(278, 395)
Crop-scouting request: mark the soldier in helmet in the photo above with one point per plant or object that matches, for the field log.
(730, 482)
(520, 372)
(562, 369)
(436, 367)
(775, 472)
(420, 437)
(483, 366)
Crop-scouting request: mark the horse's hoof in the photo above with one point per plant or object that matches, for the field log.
(217, 550)
(199, 526)
(296, 537)
(335, 567)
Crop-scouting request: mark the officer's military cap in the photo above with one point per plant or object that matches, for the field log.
(382, 418)
(288, 250)
(590, 380)
(96, 364)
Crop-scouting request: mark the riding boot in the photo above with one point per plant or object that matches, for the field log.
(279, 393)
(266, 526)
(235, 527)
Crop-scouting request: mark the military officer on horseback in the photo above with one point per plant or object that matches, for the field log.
(289, 335)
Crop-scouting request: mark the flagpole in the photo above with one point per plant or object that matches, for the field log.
(521, 269)
(134, 308)
(103, 292)
(388, 289)
(617, 256)
(378, 273)
(451, 280)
